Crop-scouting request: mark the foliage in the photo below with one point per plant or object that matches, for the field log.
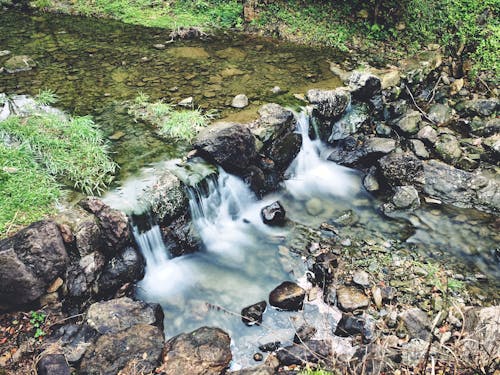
(318, 371)
(171, 123)
(38, 320)
(71, 149)
(27, 192)
(46, 97)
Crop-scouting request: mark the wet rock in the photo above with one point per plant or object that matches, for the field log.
(364, 85)
(270, 347)
(29, 262)
(311, 351)
(324, 269)
(350, 123)
(448, 148)
(287, 296)
(127, 267)
(273, 214)
(351, 152)
(395, 109)
(114, 225)
(140, 345)
(253, 314)
(347, 218)
(239, 101)
(405, 197)
(329, 103)
(399, 169)
(314, 206)
(479, 107)
(350, 299)
(194, 53)
(53, 364)
(122, 313)
(166, 197)
(418, 148)
(304, 333)
(370, 181)
(229, 144)
(440, 113)
(74, 339)
(428, 134)
(205, 351)
(417, 323)
(180, 236)
(361, 278)
(19, 63)
(409, 123)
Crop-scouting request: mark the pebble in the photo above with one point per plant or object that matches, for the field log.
(346, 242)
(258, 357)
(361, 278)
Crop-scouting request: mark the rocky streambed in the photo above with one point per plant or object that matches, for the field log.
(391, 266)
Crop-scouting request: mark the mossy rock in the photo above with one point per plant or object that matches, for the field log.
(19, 63)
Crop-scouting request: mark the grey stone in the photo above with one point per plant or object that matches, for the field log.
(350, 123)
(448, 148)
(417, 323)
(405, 197)
(19, 63)
(440, 113)
(380, 145)
(239, 101)
(329, 103)
(479, 107)
(364, 85)
(188, 102)
(53, 364)
(311, 352)
(428, 134)
(314, 206)
(361, 278)
(399, 169)
(418, 147)
(409, 123)
(370, 181)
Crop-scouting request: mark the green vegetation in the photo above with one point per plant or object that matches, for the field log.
(46, 97)
(309, 371)
(38, 320)
(27, 192)
(170, 123)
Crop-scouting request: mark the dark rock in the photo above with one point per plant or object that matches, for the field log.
(417, 323)
(125, 268)
(479, 107)
(350, 152)
(401, 169)
(329, 103)
(484, 128)
(180, 236)
(364, 85)
(324, 269)
(253, 314)
(258, 357)
(259, 370)
(388, 293)
(229, 144)
(350, 298)
(273, 214)
(448, 148)
(270, 347)
(350, 123)
(304, 333)
(395, 109)
(53, 364)
(284, 150)
(350, 325)
(205, 351)
(460, 188)
(29, 262)
(287, 296)
(74, 339)
(88, 236)
(140, 345)
(256, 179)
(440, 113)
(312, 351)
(119, 314)
(113, 223)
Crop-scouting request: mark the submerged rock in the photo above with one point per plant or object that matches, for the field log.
(287, 296)
(19, 63)
(405, 197)
(273, 214)
(229, 144)
(253, 314)
(29, 262)
(205, 351)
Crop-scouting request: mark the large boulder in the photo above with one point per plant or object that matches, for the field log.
(398, 169)
(230, 145)
(350, 123)
(364, 85)
(29, 262)
(329, 105)
(137, 347)
(287, 296)
(351, 152)
(205, 351)
(122, 313)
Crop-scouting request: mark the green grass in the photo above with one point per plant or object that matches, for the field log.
(72, 149)
(315, 372)
(169, 122)
(46, 97)
(27, 191)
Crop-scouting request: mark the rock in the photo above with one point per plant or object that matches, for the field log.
(181, 237)
(253, 314)
(417, 323)
(395, 109)
(460, 188)
(364, 85)
(273, 214)
(409, 123)
(440, 113)
(74, 340)
(19, 63)
(418, 67)
(405, 197)
(30, 261)
(187, 102)
(304, 333)
(448, 148)
(205, 351)
(456, 86)
(140, 345)
(351, 153)
(88, 236)
(379, 146)
(350, 299)
(479, 107)
(259, 370)
(311, 352)
(287, 296)
(329, 103)
(270, 347)
(53, 364)
(194, 53)
(361, 278)
(114, 225)
(389, 77)
(166, 197)
(119, 314)
(4, 53)
(418, 148)
(413, 352)
(229, 144)
(127, 267)
(350, 325)
(399, 169)
(428, 134)
(239, 101)
(350, 123)
(482, 335)
(370, 181)
(484, 128)
(324, 269)
(314, 206)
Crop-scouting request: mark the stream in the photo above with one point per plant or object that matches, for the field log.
(94, 65)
